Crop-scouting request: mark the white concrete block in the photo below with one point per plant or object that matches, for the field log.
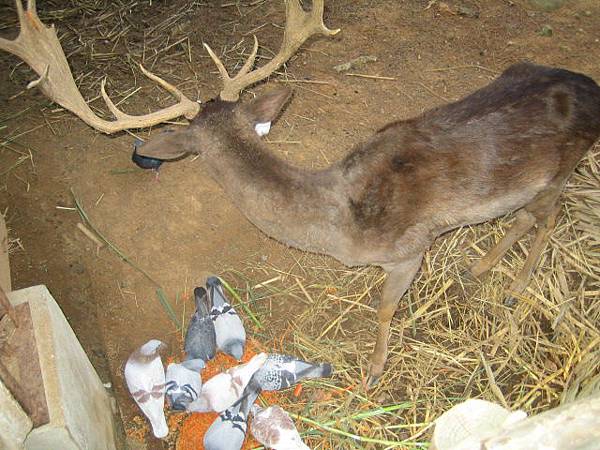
(14, 423)
(79, 407)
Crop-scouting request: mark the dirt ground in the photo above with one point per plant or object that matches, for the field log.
(183, 227)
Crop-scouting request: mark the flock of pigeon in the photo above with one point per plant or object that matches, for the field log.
(215, 326)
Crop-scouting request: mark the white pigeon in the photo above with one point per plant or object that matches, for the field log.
(231, 336)
(224, 389)
(274, 428)
(145, 377)
(183, 383)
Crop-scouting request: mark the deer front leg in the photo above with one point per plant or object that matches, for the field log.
(399, 278)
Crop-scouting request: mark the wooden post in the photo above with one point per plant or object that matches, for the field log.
(4, 266)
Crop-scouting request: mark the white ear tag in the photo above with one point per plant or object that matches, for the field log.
(262, 128)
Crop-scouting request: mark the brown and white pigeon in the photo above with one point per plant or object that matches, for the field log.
(224, 389)
(145, 378)
(274, 428)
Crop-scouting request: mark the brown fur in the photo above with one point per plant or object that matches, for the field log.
(507, 146)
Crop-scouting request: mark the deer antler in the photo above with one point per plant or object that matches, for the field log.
(40, 48)
(299, 26)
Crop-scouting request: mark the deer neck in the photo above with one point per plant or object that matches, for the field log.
(293, 205)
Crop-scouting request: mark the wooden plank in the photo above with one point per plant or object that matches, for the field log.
(4, 263)
(6, 309)
(20, 369)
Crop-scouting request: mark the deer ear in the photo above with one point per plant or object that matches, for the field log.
(172, 143)
(266, 107)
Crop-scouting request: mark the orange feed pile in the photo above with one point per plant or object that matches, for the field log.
(195, 425)
(137, 429)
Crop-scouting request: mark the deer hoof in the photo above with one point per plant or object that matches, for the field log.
(370, 381)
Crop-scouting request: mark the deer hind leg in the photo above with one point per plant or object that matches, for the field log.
(524, 221)
(398, 280)
(546, 220)
(541, 211)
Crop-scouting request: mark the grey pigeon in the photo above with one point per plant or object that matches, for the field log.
(228, 431)
(183, 383)
(145, 162)
(200, 339)
(231, 336)
(282, 371)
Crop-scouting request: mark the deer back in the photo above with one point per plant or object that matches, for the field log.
(469, 161)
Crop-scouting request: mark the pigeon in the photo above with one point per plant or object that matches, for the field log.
(224, 389)
(145, 162)
(231, 336)
(145, 377)
(183, 383)
(200, 339)
(273, 428)
(282, 371)
(228, 431)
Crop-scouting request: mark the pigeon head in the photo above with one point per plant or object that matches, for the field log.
(179, 402)
(183, 383)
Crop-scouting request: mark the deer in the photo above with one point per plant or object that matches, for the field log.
(508, 147)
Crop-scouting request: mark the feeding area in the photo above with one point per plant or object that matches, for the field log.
(122, 244)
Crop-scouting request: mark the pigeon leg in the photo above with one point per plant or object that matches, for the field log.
(398, 280)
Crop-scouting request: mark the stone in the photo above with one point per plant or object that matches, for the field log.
(79, 407)
(15, 424)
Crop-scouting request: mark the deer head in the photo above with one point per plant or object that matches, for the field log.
(252, 117)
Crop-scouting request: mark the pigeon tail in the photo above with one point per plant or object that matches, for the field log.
(326, 370)
(203, 304)
(212, 282)
(215, 289)
(151, 348)
(195, 365)
(201, 404)
(157, 419)
(248, 398)
(234, 348)
(318, 371)
(253, 385)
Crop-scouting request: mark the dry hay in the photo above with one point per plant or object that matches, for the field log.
(452, 337)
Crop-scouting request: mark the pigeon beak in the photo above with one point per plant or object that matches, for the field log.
(178, 406)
